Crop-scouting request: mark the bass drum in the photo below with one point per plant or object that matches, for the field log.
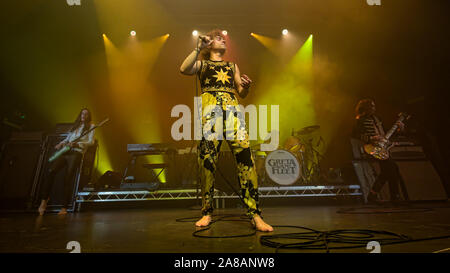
(282, 167)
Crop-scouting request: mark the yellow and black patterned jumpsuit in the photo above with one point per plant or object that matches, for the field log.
(222, 119)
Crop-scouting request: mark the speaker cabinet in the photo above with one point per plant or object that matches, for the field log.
(20, 161)
(421, 180)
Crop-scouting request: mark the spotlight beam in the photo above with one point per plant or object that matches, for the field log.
(272, 44)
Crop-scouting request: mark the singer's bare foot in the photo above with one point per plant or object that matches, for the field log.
(204, 221)
(42, 207)
(260, 225)
(63, 211)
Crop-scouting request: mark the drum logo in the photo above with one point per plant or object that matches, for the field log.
(282, 166)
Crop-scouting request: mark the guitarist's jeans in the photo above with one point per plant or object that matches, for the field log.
(388, 173)
(72, 159)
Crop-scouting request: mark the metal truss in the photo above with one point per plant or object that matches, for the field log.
(183, 194)
(303, 191)
(138, 195)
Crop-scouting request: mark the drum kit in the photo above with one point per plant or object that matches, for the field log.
(298, 160)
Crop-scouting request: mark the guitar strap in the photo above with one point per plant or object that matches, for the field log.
(378, 126)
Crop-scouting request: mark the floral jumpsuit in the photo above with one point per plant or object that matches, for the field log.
(222, 119)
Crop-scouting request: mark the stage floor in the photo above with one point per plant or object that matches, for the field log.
(156, 229)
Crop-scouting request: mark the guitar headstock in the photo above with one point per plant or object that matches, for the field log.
(103, 122)
(404, 116)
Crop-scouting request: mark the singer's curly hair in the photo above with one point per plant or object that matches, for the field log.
(363, 107)
(205, 53)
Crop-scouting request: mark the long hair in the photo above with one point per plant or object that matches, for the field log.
(205, 53)
(78, 122)
(363, 107)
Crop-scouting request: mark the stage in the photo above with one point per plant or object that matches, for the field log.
(121, 121)
(153, 229)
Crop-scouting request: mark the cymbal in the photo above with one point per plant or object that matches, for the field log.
(293, 144)
(307, 130)
(258, 145)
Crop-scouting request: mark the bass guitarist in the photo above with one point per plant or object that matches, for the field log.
(72, 159)
(369, 129)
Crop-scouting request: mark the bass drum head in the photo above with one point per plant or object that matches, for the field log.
(282, 167)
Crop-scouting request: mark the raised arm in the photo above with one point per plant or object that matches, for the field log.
(191, 65)
(242, 83)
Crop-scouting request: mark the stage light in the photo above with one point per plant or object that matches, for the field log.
(195, 33)
(251, 33)
(296, 74)
(285, 32)
(225, 32)
(133, 33)
(131, 92)
(268, 42)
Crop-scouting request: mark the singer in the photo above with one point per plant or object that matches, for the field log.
(221, 83)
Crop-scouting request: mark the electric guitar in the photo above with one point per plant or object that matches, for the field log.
(67, 148)
(380, 149)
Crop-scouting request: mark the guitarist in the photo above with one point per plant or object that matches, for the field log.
(72, 158)
(369, 129)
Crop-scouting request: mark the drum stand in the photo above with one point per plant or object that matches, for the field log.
(303, 174)
(311, 173)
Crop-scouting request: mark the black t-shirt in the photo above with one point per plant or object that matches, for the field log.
(368, 126)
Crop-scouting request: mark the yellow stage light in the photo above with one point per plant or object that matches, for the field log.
(268, 42)
(292, 90)
(132, 93)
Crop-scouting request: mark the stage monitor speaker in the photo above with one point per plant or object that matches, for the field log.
(78, 181)
(421, 180)
(20, 162)
(109, 180)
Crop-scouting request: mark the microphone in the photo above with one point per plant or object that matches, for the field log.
(204, 38)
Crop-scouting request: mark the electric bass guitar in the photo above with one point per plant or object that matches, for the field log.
(67, 148)
(380, 149)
